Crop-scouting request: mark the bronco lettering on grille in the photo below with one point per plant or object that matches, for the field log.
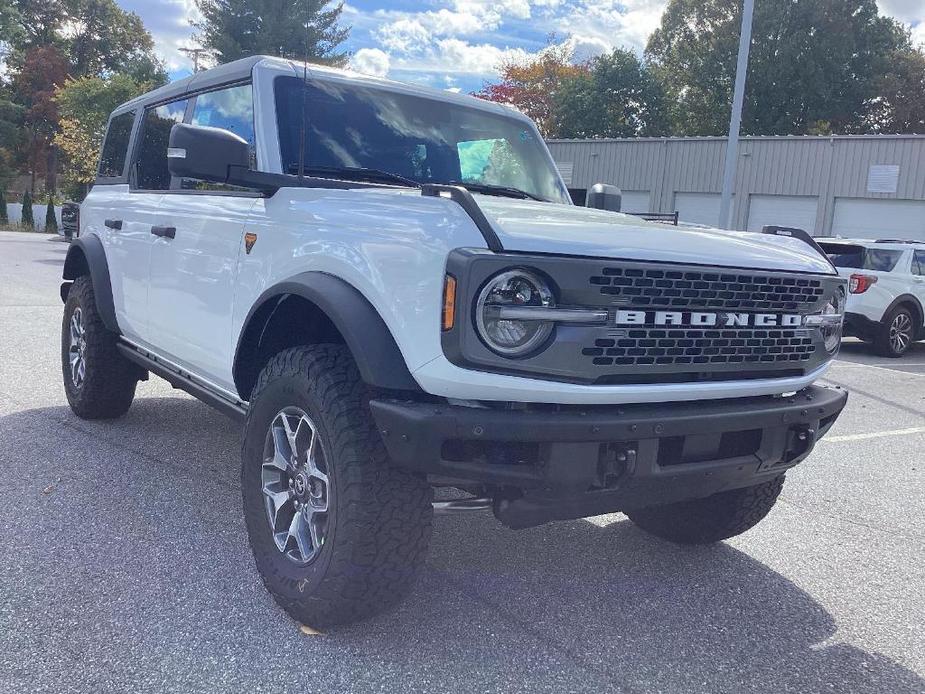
(704, 319)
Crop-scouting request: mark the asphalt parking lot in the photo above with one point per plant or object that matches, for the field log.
(125, 566)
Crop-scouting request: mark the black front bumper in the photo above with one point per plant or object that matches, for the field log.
(567, 462)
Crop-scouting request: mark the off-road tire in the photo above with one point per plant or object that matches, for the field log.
(883, 344)
(109, 383)
(380, 524)
(709, 520)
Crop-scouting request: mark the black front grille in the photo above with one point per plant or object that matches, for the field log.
(670, 347)
(695, 289)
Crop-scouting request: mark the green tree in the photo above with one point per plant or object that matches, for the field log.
(615, 97)
(104, 39)
(297, 29)
(51, 222)
(4, 215)
(811, 61)
(96, 36)
(9, 25)
(27, 218)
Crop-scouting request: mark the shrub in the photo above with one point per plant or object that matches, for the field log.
(51, 222)
(27, 220)
(4, 218)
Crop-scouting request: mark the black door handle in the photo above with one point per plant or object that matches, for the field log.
(164, 232)
(114, 224)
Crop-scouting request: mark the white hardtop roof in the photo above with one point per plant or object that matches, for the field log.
(242, 69)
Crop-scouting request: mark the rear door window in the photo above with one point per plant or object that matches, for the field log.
(151, 167)
(115, 146)
(230, 109)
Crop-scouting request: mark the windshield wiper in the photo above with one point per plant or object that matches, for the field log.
(489, 189)
(356, 173)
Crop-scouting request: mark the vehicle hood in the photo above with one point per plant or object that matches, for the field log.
(539, 227)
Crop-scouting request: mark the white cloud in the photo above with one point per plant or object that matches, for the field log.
(404, 35)
(410, 32)
(908, 11)
(480, 59)
(918, 34)
(371, 61)
(586, 47)
(608, 24)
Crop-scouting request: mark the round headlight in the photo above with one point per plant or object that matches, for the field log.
(833, 314)
(514, 288)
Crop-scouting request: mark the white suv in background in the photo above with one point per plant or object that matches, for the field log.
(886, 291)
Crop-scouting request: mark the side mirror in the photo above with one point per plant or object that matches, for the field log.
(207, 154)
(602, 196)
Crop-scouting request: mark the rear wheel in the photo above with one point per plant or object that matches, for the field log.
(715, 518)
(337, 532)
(98, 381)
(896, 334)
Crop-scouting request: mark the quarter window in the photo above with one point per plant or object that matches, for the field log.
(152, 172)
(115, 146)
(918, 263)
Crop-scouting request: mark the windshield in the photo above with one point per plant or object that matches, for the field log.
(861, 258)
(421, 139)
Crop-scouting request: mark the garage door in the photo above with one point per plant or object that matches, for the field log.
(635, 201)
(698, 208)
(782, 210)
(879, 219)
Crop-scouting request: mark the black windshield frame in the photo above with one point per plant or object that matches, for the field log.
(416, 137)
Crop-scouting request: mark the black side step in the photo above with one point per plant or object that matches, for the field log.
(179, 379)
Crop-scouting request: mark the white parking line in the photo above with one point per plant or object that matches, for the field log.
(875, 435)
(853, 364)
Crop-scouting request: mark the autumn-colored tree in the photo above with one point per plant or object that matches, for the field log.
(44, 69)
(84, 105)
(533, 87)
(49, 42)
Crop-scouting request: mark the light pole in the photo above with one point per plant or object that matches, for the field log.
(735, 120)
(195, 54)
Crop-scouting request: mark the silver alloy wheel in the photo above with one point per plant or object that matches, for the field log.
(296, 491)
(900, 332)
(77, 349)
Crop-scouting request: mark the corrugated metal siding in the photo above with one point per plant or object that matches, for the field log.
(827, 167)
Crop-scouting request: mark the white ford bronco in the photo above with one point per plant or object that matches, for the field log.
(390, 286)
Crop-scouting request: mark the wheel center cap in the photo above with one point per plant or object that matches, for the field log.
(301, 484)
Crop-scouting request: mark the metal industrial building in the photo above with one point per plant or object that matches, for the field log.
(851, 186)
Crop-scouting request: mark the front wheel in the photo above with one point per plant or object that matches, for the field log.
(337, 532)
(715, 518)
(896, 334)
(98, 381)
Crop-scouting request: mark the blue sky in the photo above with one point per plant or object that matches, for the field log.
(458, 44)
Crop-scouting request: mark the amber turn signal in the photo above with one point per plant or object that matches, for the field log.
(449, 302)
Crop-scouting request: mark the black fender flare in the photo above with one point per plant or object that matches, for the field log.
(907, 299)
(369, 339)
(87, 256)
